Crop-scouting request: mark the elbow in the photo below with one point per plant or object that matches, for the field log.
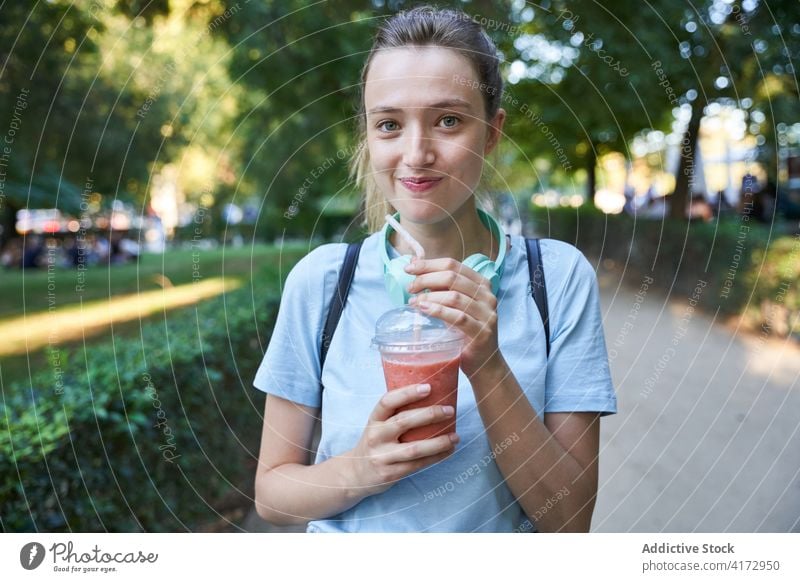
(266, 513)
(573, 515)
(266, 509)
(275, 517)
(581, 522)
(577, 523)
(577, 518)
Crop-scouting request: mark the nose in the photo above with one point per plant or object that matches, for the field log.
(419, 149)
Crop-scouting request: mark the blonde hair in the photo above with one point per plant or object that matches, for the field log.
(422, 26)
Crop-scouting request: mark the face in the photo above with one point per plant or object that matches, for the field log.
(427, 131)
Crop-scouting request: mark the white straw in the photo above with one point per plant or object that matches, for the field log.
(418, 250)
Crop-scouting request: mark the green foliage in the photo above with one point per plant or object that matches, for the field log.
(298, 126)
(147, 435)
(256, 100)
(746, 272)
(113, 92)
(622, 69)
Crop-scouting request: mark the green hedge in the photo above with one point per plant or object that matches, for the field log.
(749, 271)
(154, 434)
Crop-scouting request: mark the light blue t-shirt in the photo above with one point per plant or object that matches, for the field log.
(466, 492)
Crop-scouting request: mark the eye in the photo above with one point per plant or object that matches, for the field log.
(388, 125)
(449, 121)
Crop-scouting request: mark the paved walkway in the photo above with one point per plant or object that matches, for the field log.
(707, 438)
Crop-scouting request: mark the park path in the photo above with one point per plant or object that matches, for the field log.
(707, 437)
(708, 440)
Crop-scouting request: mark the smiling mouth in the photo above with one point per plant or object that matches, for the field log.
(419, 180)
(419, 185)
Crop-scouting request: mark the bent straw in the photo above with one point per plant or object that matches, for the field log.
(420, 254)
(418, 250)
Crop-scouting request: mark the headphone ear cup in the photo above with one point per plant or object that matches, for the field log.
(397, 280)
(476, 262)
(485, 267)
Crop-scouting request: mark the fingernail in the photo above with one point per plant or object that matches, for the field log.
(412, 300)
(448, 410)
(424, 388)
(454, 438)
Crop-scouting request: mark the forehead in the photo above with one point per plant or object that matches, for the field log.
(415, 76)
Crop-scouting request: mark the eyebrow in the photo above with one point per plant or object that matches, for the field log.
(446, 104)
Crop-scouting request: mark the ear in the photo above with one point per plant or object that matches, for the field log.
(495, 130)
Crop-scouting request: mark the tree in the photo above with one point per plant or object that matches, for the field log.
(300, 65)
(104, 94)
(29, 84)
(619, 71)
(579, 73)
(734, 48)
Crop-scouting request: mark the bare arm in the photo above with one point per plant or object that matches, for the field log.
(538, 457)
(288, 489)
(556, 454)
(291, 491)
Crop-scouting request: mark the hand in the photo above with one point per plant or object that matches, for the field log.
(462, 298)
(379, 459)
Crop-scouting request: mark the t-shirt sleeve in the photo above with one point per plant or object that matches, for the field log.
(291, 368)
(578, 375)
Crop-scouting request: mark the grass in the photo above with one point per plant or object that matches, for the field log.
(62, 308)
(24, 333)
(32, 291)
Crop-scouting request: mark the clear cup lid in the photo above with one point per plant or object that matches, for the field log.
(408, 329)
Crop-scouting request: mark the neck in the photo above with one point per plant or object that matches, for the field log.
(457, 237)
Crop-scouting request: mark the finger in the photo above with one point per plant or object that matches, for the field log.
(449, 280)
(451, 298)
(423, 450)
(405, 468)
(394, 399)
(416, 417)
(423, 266)
(465, 322)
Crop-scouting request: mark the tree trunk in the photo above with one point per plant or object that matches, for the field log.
(679, 201)
(8, 223)
(591, 172)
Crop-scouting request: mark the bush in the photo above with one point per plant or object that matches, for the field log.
(746, 273)
(155, 434)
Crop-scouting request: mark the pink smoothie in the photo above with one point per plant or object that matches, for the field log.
(441, 374)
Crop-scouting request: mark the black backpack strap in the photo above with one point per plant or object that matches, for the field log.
(538, 288)
(338, 300)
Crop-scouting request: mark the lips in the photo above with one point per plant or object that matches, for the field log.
(420, 180)
(419, 184)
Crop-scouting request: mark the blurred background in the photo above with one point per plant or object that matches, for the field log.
(164, 163)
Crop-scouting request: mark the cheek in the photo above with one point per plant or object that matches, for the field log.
(469, 145)
(467, 157)
(381, 156)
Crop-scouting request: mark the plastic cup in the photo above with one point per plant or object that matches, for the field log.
(419, 349)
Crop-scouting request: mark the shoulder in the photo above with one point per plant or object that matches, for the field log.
(562, 261)
(314, 276)
(317, 265)
(318, 271)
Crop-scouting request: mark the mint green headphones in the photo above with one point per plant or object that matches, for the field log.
(397, 280)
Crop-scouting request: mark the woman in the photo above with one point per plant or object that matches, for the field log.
(525, 456)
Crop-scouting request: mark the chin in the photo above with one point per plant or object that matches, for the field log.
(421, 211)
